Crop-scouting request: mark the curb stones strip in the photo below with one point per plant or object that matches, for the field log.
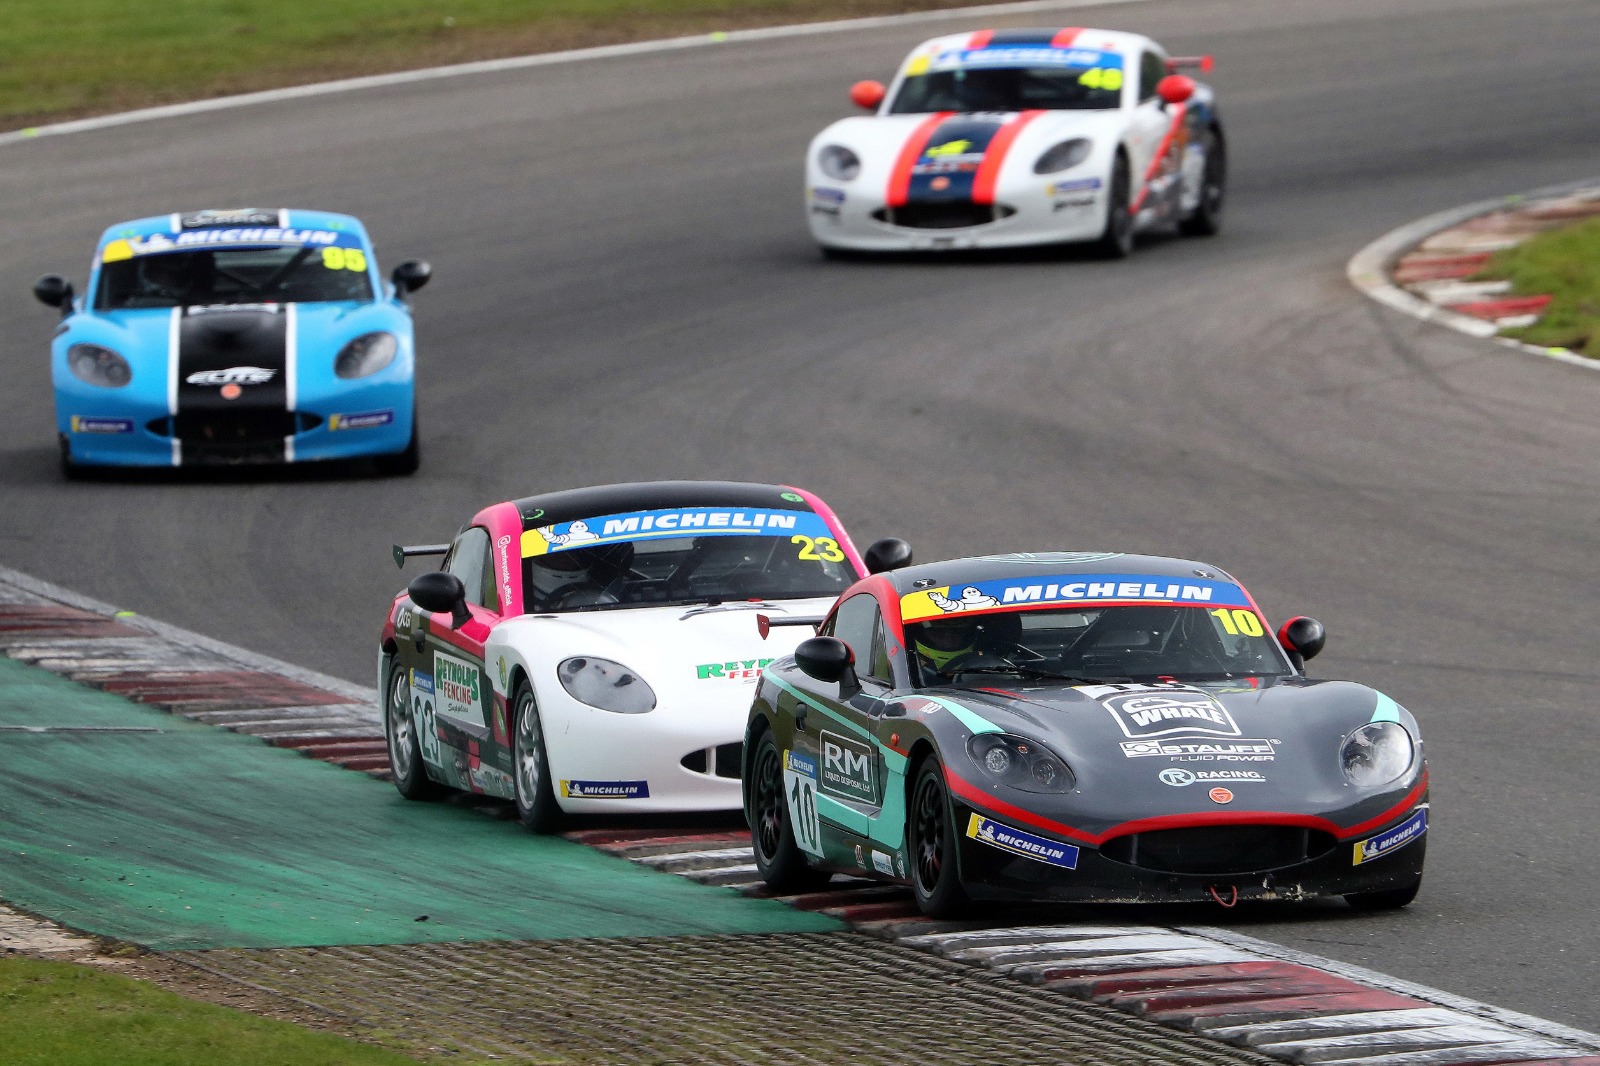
(1217, 984)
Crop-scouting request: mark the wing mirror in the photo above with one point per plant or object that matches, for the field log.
(868, 94)
(1175, 89)
(1302, 638)
(438, 592)
(829, 659)
(411, 275)
(890, 553)
(53, 290)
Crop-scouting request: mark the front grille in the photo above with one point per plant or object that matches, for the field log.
(1219, 849)
(954, 215)
(720, 761)
(234, 428)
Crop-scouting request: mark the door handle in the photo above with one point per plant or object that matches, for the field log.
(420, 634)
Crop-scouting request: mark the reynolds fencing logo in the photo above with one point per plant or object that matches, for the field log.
(740, 670)
(847, 768)
(605, 790)
(1158, 714)
(1392, 839)
(1017, 842)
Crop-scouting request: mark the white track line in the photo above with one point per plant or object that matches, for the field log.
(1368, 270)
(545, 59)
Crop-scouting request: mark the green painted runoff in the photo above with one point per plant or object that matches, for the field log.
(193, 837)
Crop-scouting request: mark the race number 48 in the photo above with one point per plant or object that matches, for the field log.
(800, 796)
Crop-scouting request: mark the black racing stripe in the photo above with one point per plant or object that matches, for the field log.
(237, 353)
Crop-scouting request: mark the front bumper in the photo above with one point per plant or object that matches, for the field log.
(991, 873)
(847, 220)
(102, 428)
(600, 748)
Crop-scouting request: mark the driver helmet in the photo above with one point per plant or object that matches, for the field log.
(943, 640)
(183, 276)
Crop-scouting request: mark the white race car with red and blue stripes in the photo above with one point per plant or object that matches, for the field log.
(1003, 138)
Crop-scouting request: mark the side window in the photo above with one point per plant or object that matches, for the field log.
(469, 560)
(879, 669)
(1152, 68)
(856, 623)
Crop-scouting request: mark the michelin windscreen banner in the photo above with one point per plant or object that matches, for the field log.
(1068, 589)
(670, 523)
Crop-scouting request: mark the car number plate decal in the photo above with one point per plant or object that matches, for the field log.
(800, 799)
(422, 717)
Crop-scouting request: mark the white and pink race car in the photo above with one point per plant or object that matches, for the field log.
(1003, 138)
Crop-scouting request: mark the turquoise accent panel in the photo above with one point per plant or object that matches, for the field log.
(843, 815)
(1387, 710)
(975, 723)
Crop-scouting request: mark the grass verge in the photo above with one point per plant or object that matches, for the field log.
(64, 1014)
(112, 55)
(1565, 264)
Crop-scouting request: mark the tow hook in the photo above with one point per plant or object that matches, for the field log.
(1233, 895)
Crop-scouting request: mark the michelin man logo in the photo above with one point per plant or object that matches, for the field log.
(577, 533)
(986, 832)
(971, 600)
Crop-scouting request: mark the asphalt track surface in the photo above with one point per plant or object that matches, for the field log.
(625, 291)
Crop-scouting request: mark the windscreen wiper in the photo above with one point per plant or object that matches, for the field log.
(1030, 671)
(742, 605)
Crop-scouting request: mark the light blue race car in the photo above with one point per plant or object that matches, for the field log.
(235, 337)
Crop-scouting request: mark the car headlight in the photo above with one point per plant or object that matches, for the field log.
(839, 162)
(98, 366)
(607, 685)
(1064, 155)
(1020, 763)
(367, 354)
(1376, 754)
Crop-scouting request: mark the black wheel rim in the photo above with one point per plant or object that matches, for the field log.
(929, 836)
(769, 804)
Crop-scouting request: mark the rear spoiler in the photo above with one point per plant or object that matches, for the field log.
(401, 554)
(764, 623)
(1200, 63)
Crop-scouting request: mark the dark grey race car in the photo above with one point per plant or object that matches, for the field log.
(1078, 726)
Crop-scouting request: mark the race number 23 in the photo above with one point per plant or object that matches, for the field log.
(800, 795)
(1236, 622)
(818, 549)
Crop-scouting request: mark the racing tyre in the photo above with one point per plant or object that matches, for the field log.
(1116, 242)
(935, 881)
(400, 733)
(1206, 221)
(69, 469)
(536, 794)
(779, 860)
(402, 464)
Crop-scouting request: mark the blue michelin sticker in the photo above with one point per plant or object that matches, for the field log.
(422, 682)
(804, 765)
(85, 424)
(1392, 839)
(681, 522)
(1019, 843)
(605, 790)
(361, 420)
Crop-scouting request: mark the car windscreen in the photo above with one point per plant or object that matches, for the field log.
(628, 560)
(1018, 79)
(217, 276)
(1122, 643)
